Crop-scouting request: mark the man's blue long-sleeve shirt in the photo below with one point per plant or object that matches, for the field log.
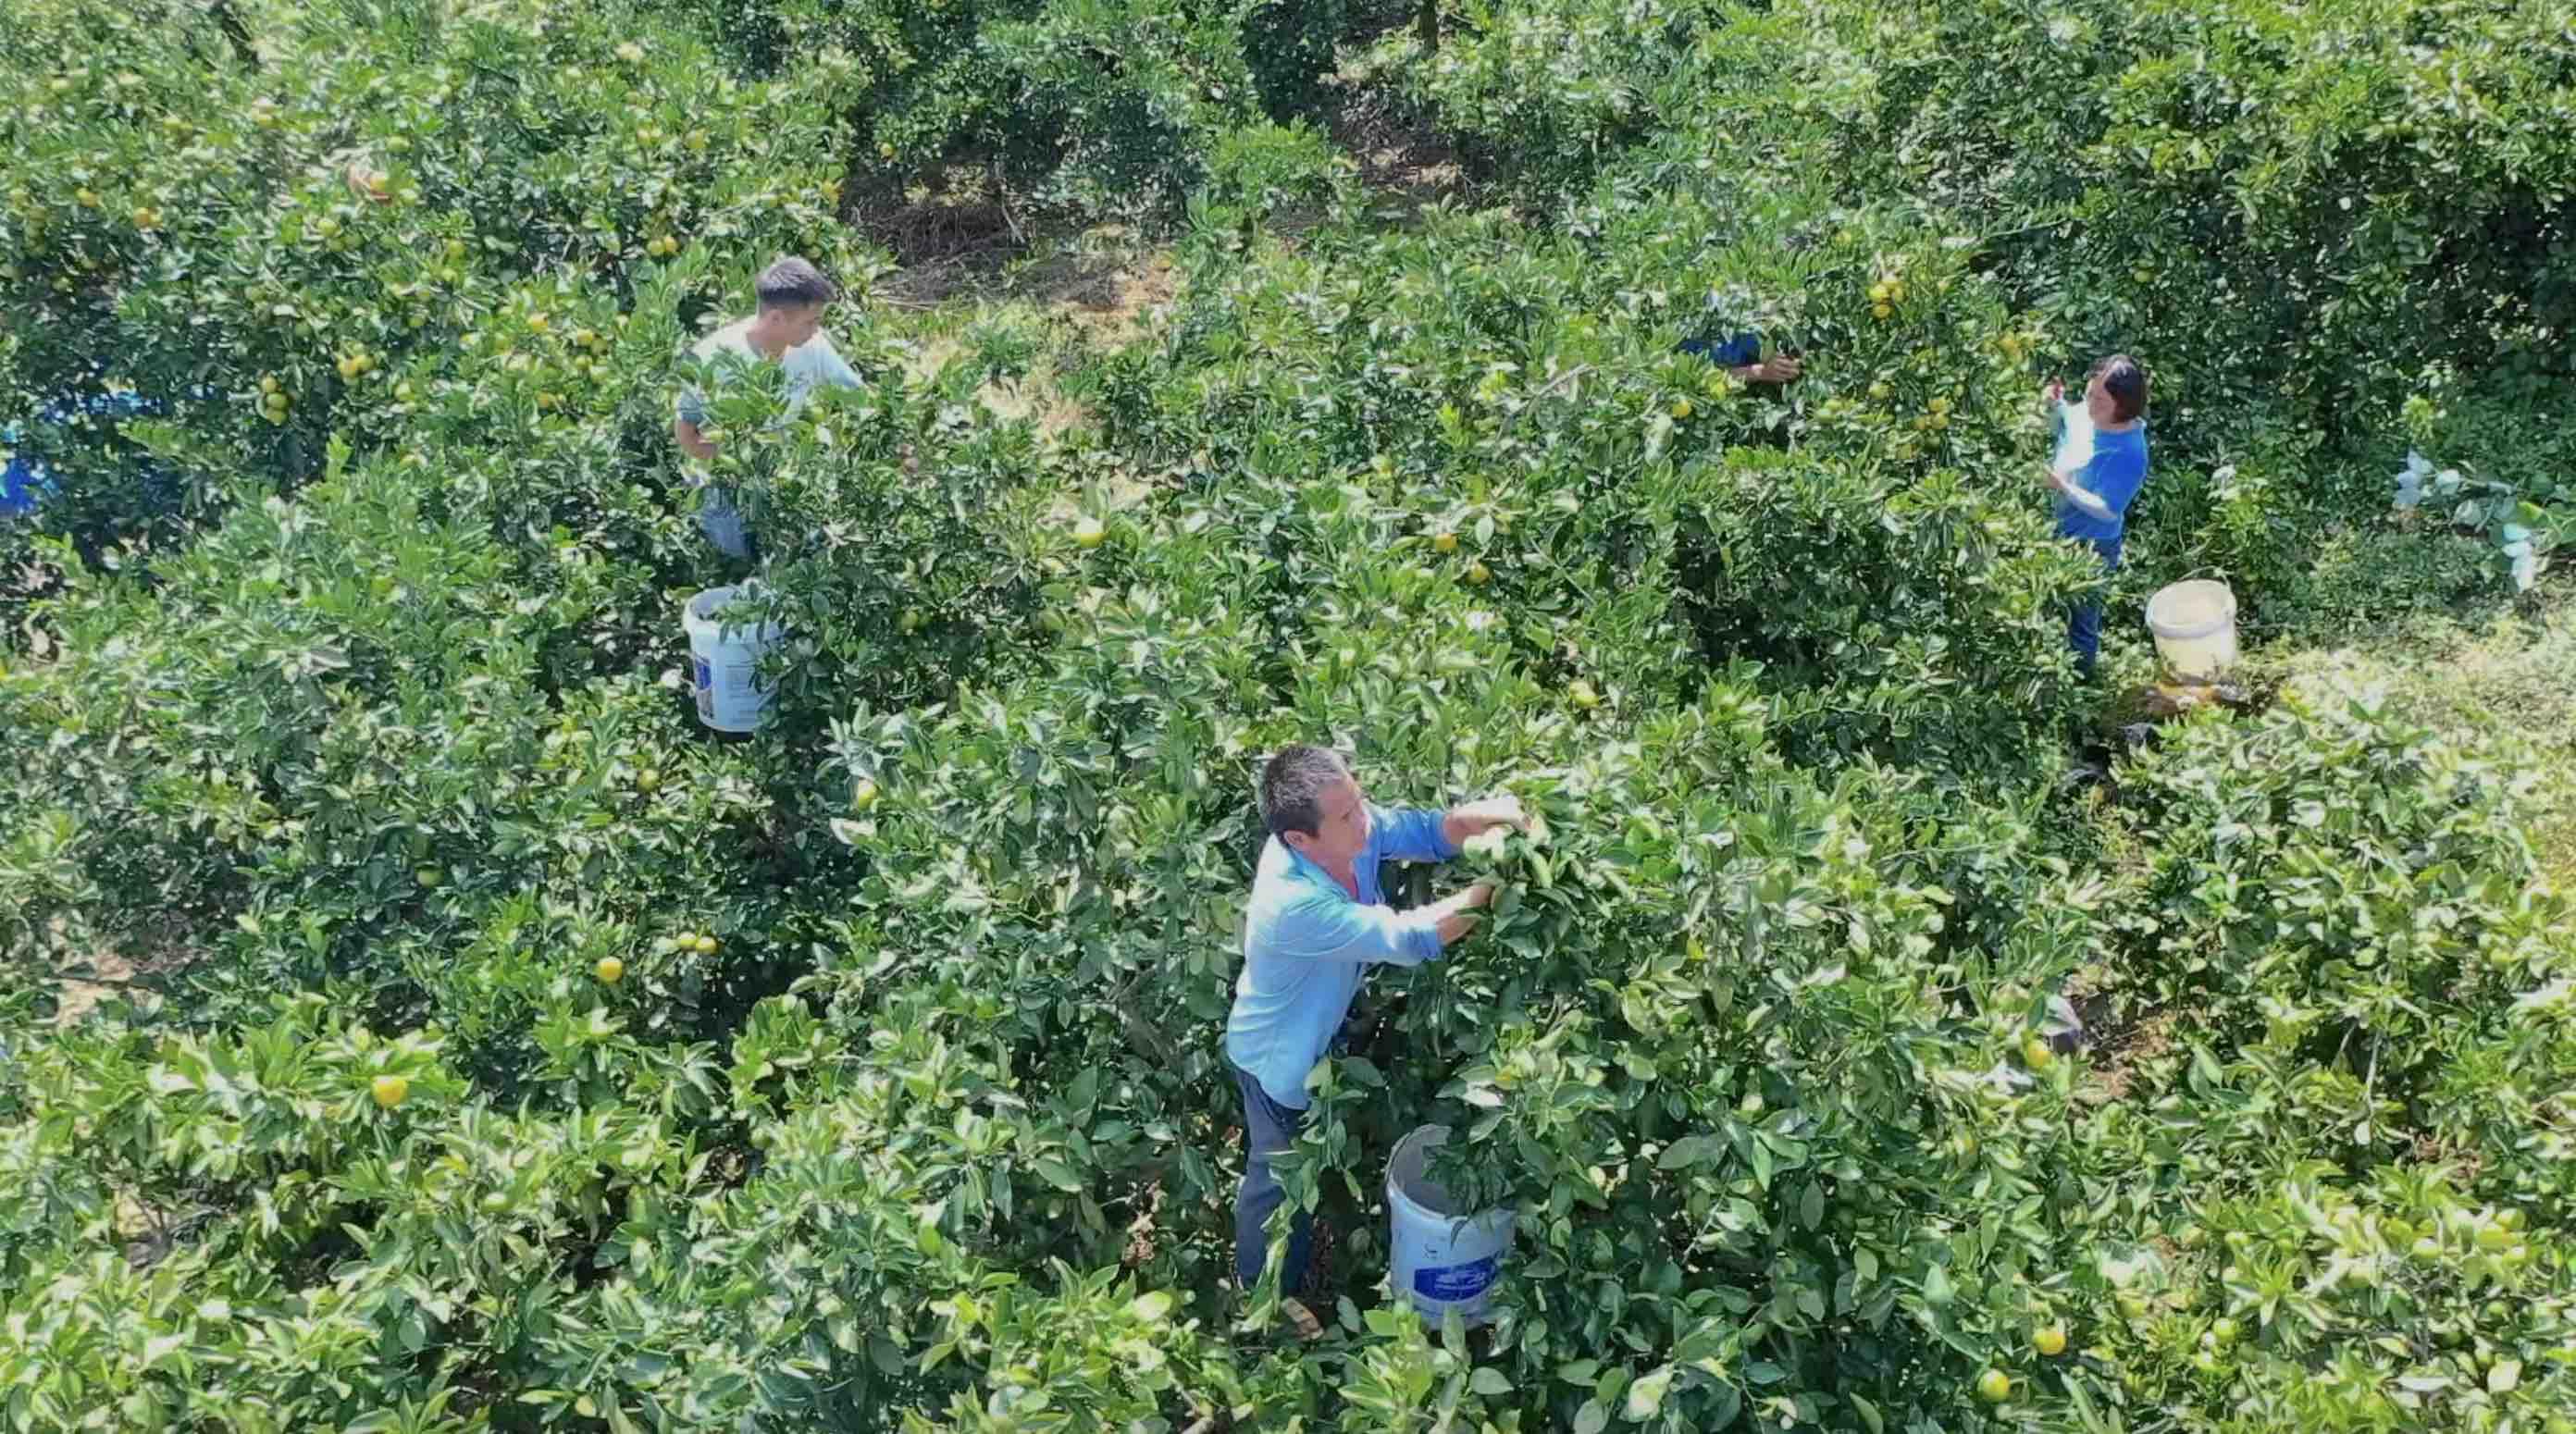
(2105, 469)
(1307, 941)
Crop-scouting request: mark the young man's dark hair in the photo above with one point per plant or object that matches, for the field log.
(2125, 382)
(1292, 787)
(791, 282)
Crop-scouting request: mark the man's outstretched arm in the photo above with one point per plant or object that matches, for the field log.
(1331, 930)
(1473, 819)
(691, 441)
(1420, 834)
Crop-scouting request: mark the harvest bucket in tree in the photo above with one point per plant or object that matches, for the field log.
(724, 660)
(1444, 1259)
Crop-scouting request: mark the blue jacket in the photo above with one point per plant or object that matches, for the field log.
(1733, 351)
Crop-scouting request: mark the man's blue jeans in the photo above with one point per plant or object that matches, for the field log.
(2084, 629)
(722, 522)
(1268, 1128)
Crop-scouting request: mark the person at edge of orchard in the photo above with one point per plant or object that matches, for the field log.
(2100, 464)
(1318, 919)
(785, 328)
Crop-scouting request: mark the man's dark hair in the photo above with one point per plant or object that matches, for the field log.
(2126, 382)
(793, 281)
(1293, 785)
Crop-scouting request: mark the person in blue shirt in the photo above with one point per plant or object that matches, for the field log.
(2100, 464)
(1318, 920)
(1738, 315)
(1740, 354)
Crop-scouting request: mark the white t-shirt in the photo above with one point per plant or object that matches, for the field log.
(812, 362)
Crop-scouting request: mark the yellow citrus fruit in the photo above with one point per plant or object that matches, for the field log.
(1994, 1386)
(609, 970)
(863, 796)
(1088, 532)
(1583, 694)
(2036, 1054)
(1880, 311)
(1478, 573)
(1682, 408)
(391, 1091)
(1444, 542)
(705, 945)
(2050, 1341)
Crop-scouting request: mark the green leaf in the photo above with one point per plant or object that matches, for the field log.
(1936, 1288)
(886, 1355)
(1490, 1381)
(1647, 1395)
(1592, 1418)
(1869, 1414)
(1690, 1150)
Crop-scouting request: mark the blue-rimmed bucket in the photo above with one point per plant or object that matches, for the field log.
(1445, 1259)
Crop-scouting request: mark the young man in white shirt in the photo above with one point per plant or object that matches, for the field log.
(786, 328)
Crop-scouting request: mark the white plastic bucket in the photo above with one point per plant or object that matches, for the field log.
(724, 661)
(2195, 627)
(1444, 1259)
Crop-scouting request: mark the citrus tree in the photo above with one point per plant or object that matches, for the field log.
(494, 1048)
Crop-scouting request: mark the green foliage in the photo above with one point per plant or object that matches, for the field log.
(504, 1051)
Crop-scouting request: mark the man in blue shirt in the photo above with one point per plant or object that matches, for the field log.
(1318, 919)
(2101, 463)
